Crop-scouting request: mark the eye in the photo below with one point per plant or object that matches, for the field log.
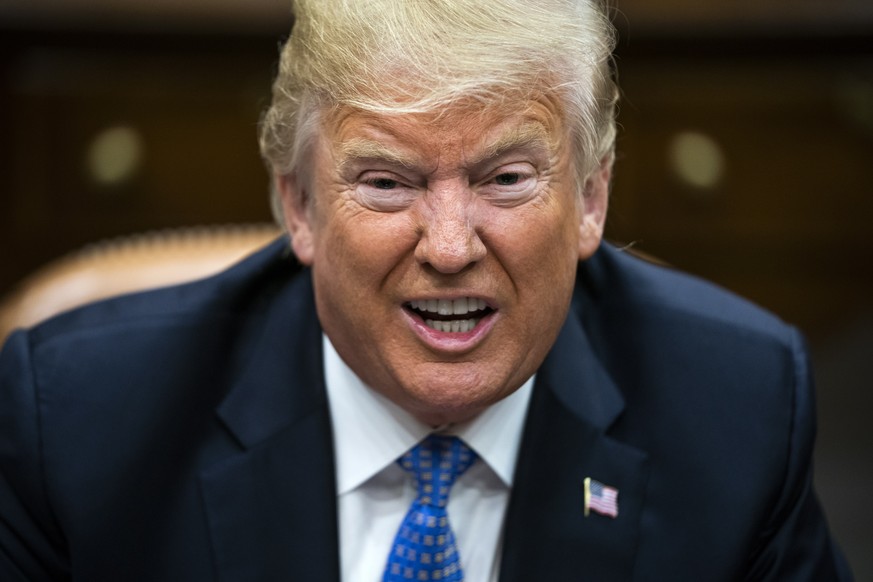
(383, 183)
(507, 179)
(384, 191)
(510, 184)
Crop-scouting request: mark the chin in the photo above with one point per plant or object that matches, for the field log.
(451, 405)
(442, 417)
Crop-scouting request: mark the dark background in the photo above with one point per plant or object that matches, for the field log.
(745, 156)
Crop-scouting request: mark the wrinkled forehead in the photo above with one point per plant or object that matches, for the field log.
(486, 129)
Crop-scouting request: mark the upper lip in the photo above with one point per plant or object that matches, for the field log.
(450, 306)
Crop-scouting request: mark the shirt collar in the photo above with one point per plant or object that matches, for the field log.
(370, 432)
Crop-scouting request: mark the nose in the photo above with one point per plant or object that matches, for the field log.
(449, 240)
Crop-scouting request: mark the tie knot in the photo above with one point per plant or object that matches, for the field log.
(435, 463)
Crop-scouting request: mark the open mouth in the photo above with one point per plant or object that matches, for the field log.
(450, 315)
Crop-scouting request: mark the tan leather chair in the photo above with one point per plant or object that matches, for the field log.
(127, 264)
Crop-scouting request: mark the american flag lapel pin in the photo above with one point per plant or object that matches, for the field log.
(600, 498)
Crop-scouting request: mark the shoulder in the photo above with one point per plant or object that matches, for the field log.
(718, 392)
(241, 289)
(164, 340)
(124, 371)
(646, 296)
(693, 360)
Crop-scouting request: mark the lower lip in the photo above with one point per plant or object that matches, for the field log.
(452, 342)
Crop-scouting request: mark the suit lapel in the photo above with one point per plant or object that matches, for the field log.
(547, 535)
(271, 505)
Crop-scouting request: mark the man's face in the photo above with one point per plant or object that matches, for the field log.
(444, 250)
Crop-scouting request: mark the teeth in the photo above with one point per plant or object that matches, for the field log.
(454, 326)
(461, 306)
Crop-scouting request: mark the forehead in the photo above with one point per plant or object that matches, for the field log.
(464, 129)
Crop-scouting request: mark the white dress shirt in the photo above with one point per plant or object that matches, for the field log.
(373, 493)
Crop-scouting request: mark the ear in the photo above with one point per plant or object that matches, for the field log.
(297, 217)
(592, 208)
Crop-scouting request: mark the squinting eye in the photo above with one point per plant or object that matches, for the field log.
(384, 183)
(507, 179)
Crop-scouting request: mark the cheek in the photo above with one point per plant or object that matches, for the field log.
(538, 239)
(539, 254)
(361, 244)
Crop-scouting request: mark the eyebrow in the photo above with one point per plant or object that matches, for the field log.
(528, 136)
(365, 149)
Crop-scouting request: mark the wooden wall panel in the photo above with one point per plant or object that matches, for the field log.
(789, 223)
(192, 111)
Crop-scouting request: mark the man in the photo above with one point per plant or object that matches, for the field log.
(442, 168)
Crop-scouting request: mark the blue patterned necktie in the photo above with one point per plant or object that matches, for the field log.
(424, 548)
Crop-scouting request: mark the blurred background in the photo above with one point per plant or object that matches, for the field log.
(745, 156)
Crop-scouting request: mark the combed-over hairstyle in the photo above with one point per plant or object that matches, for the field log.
(422, 56)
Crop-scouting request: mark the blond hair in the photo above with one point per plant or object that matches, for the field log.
(423, 56)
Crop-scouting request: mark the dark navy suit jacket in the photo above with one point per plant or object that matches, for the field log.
(184, 435)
